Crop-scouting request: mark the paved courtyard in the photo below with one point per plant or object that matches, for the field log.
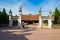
(38, 34)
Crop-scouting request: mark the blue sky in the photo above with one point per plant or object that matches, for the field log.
(29, 6)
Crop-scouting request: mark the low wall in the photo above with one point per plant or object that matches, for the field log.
(56, 26)
(4, 25)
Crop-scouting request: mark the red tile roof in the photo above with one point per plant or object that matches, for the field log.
(30, 17)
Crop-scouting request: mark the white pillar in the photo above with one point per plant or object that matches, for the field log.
(49, 23)
(10, 21)
(20, 14)
(19, 21)
(40, 22)
(10, 18)
(50, 20)
(40, 17)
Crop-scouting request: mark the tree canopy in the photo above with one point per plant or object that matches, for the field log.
(56, 15)
(0, 17)
(3, 17)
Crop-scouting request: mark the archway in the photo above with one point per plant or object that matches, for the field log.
(15, 22)
(45, 23)
(49, 23)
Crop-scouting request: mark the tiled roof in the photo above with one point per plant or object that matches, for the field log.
(27, 17)
(30, 17)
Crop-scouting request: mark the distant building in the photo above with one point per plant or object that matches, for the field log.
(30, 19)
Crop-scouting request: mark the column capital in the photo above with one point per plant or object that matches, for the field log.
(20, 9)
(40, 10)
(10, 12)
(50, 14)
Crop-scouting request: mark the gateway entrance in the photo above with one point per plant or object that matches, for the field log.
(31, 22)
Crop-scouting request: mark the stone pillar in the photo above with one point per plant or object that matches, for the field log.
(50, 20)
(49, 23)
(10, 18)
(40, 18)
(40, 22)
(10, 22)
(19, 20)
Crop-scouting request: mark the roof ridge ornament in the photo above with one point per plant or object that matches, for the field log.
(50, 13)
(20, 9)
(10, 11)
(40, 9)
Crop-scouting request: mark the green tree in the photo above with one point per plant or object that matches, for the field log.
(59, 21)
(59, 17)
(4, 17)
(0, 17)
(56, 16)
(53, 13)
(59, 12)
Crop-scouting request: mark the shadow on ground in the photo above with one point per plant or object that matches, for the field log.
(6, 35)
(26, 29)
